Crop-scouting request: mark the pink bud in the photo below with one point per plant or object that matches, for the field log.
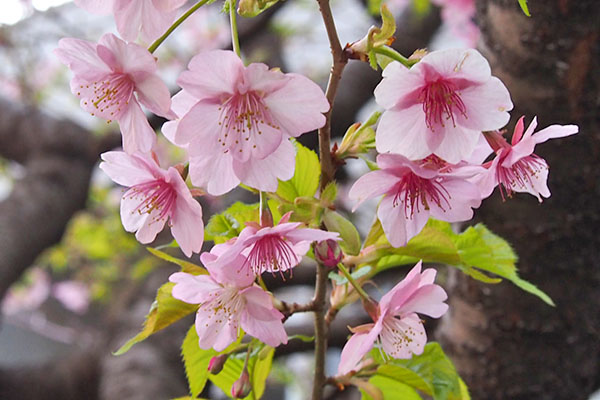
(328, 253)
(242, 387)
(216, 364)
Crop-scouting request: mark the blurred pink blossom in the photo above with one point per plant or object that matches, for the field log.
(75, 296)
(27, 296)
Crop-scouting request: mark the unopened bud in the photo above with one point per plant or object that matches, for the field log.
(216, 364)
(242, 387)
(328, 253)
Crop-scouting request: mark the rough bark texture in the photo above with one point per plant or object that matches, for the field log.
(507, 344)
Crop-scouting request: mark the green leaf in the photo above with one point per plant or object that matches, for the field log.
(524, 7)
(477, 252)
(196, 360)
(258, 369)
(304, 338)
(306, 177)
(329, 194)
(391, 389)
(230, 222)
(186, 266)
(164, 311)
(341, 280)
(251, 8)
(350, 242)
(431, 373)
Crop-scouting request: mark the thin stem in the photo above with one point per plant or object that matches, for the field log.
(361, 292)
(264, 214)
(235, 41)
(327, 174)
(394, 55)
(179, 21)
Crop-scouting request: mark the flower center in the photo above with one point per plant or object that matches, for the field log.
(223, 307)
(157, 198)
(108, 97)
(440, 101)
(272, 253)
(243, 118)
(520, 175)
(414, 192)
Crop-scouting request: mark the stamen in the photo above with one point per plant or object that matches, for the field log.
(272, 253)
(521, 174)
(441, 98)
(107, 96)
(155, 195)
(415, 192)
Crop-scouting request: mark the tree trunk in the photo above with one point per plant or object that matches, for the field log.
(506, 343)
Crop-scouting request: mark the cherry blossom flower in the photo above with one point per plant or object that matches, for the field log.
(276, 248)
(107, 75)
(235, 121)
(155, 196)
(150, 17)
(459, 14)
(228, 301)
(440, 105)
(516, 168)
(396, 324)
(414, 191)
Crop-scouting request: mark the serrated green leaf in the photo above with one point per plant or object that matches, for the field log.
(432, 372)
(350, 242)
(164, 311)
(186, 266)
(228, 224)
(258, 369)
(524, 7)
(306, 177)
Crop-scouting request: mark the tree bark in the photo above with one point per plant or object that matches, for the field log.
(508, 344)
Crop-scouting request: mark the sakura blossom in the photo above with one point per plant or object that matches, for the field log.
(150, 17)
(107, 75)
(235, 121)
(416, 190)
(459, 14)
(440, 105)
(278, 248)
(397, 325)
(228, 301)
(516, 168)
(155, 197)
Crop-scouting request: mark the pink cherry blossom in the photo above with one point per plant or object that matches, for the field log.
(459, 14)
(107, 75)
(228, 301)
(155, 196)
(396, 324)
(150, 17)
(276, 248)
(236, 121)
(416, 190)
(516, 168)
(441, 105)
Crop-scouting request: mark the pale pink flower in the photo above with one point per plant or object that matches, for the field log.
(440, 105)
(28, 295)
(155, 196)
(228, 301)
(235, 121)
(150, 17)
(396, 324)
(516, 168)
(75, 296)
(459, 14)
(107, 75)
(414, 191)
(276, 248)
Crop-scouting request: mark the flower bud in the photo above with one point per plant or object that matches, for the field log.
(328, 253)
(242, 387)
(216, 364)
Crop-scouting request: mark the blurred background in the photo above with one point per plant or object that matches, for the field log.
(74, 286)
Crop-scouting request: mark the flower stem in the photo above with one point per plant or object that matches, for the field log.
(235, 41)
(340, 59)
(350, 279)
(179, 21)
(394, 55)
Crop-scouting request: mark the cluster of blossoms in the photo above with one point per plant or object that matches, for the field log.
(441, 123)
